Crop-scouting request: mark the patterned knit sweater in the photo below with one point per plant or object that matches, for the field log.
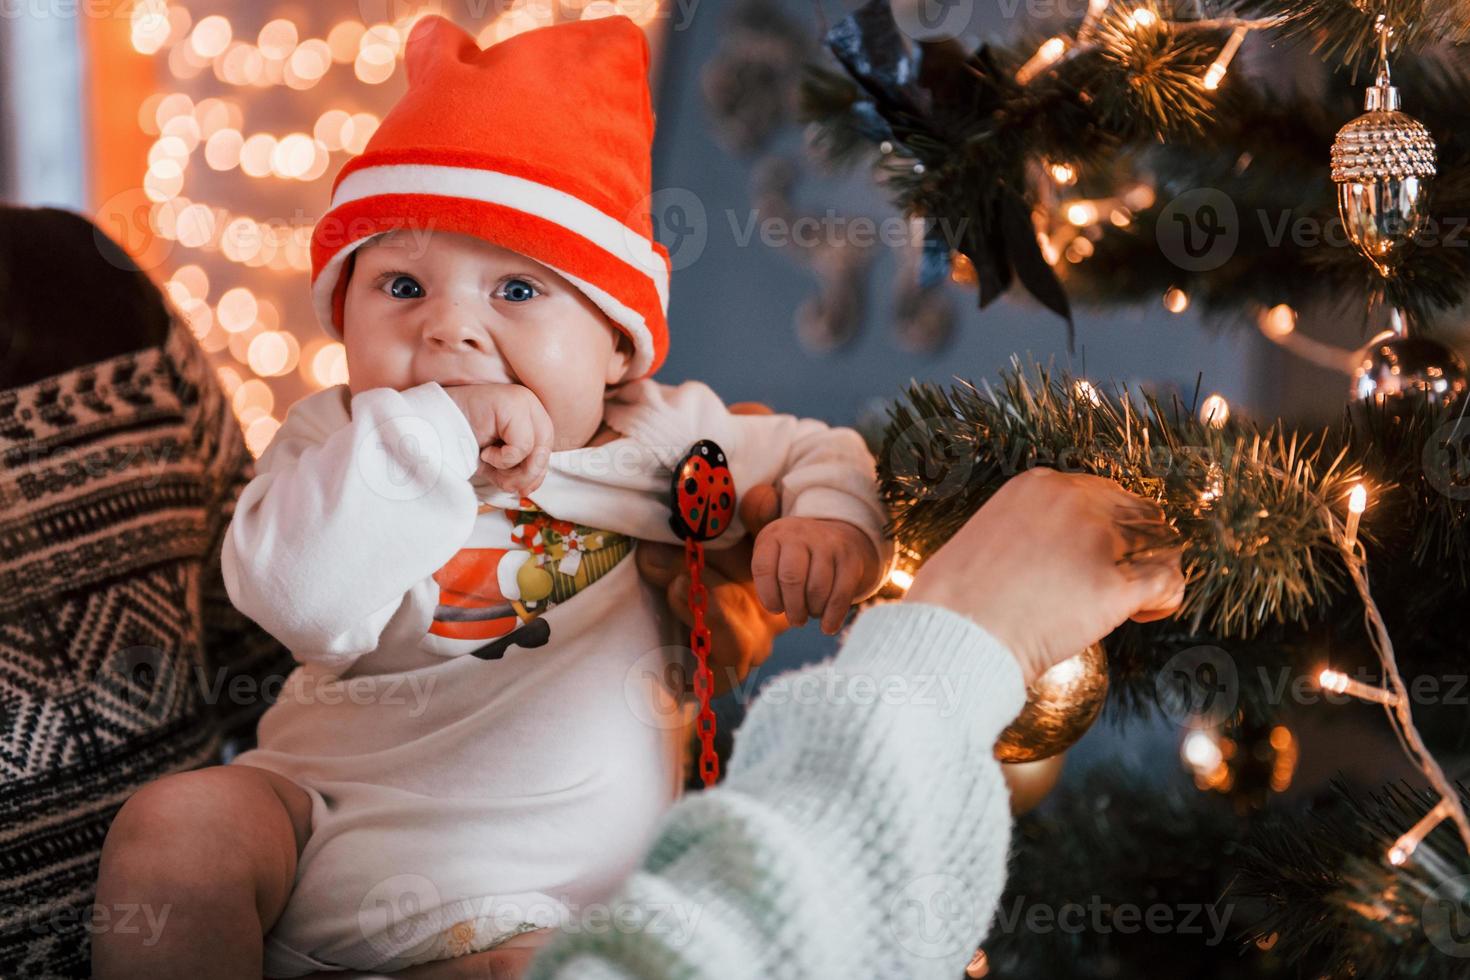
(861, 831)
(121, 657)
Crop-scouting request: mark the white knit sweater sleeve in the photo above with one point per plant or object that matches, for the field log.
(862, 829)
(349, 515)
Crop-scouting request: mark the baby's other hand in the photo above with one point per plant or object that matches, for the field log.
(513, 430)
(810, 566)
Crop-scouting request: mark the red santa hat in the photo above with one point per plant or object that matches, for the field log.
(540, 144)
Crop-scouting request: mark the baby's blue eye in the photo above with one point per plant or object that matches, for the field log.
(405, 287)
(518, 290)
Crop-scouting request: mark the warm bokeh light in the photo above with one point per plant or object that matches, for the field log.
(371, 72)
(255, 395)
(259, 433)
(192, 279)
(345, 40)
(293, 155)
(163, 179)
(277, 39)
(271, 353)
(256, 154)
(359, 130)
(329, 365)
(329, 128)
(150, 26)
(229, 379)
(185, 129)
(222, 150)
(240, 240)
(1176, 300)
(1082, 213)
(599, 8)
(198, 315)
(236, 309)
(311, 60)
(211, 36)
(194, 226)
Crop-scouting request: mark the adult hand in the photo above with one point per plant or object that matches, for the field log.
(1052, 563)
(742, 630)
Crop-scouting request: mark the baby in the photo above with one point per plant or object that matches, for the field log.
(483, 731)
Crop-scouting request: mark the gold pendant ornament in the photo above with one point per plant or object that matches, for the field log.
(1061, 705)
(1382, 163)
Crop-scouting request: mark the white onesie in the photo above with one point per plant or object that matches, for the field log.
(458, 800)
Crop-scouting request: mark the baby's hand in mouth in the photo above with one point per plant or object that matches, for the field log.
(513, 430)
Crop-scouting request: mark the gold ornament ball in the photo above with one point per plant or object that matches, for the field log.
(1061, 705)
(534, 582)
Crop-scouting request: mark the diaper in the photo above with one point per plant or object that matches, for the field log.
(398, 947)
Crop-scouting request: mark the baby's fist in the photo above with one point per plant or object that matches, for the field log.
(513, 430)
(808, 566)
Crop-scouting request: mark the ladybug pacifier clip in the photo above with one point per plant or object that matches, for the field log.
(702, 498)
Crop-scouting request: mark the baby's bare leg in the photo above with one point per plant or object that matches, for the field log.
(201, 864)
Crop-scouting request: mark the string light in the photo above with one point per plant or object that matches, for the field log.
(1216, 72)
(1047, 55)
(1143, 18)
(1410, 841)
(1176, 300)
(1279, 320)
(1357, 503)
(1063, 173)
(1087, 391)
(1215, 411)
(1339, 683)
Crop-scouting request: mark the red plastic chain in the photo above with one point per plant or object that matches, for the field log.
(704, 678)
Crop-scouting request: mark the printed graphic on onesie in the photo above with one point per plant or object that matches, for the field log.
(518, 564)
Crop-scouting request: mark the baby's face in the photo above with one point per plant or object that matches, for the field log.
(458, 310)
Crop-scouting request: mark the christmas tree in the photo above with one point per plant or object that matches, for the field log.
(1092, 164)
